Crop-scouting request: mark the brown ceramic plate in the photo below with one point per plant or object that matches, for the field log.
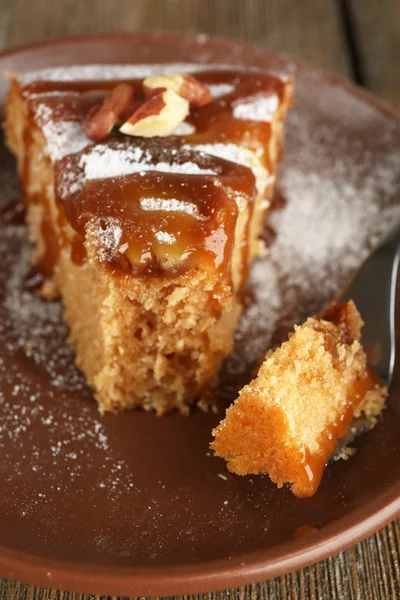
(132, 504)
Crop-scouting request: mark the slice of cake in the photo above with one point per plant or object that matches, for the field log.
(146, 188)
(287, 421)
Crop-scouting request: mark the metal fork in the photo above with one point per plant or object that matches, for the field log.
(373, 289)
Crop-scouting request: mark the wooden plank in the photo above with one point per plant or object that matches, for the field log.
(4, 26)
(376, 26)
(310, 29)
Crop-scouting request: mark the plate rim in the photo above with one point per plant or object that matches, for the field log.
(201, 577)
(214, 575)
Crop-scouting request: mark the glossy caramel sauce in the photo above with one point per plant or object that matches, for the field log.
(157, 241)
(344, 316)
(53, 242)
(314, 464)
(304, 530)
(167, 222)
(217, 122)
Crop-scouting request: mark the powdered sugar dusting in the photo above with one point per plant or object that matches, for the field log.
(120, 71)
(67, 469)
(239, 155)
(168, 205)
(220, 89)
(67, 137)
(62, 137)
(104, 162)
(333, 216)
(35, 328)
(257, 109)
(70, 474)
(106, 72)
(165, 238)
(109, 233)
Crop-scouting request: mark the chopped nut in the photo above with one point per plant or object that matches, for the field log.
(195, 92)
(165, 106)
(187, 86)
(102, 117)
(159, 115)
(167, 82)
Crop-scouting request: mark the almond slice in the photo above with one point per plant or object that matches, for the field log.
(159, 116)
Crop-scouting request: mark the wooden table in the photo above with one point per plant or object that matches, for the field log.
(360, 39)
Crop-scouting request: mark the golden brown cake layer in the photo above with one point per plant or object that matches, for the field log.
(287, 421)
(148, 241)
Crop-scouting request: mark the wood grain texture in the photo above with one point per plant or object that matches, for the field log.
(313, 30)
(4, 27)
(308, 29)
(376, 25)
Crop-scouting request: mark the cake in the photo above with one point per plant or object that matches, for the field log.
(286, 423)
(146, 188)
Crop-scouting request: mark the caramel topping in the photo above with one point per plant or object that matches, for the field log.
(347, 319)
(154, 222)
(242, 115)
(163, 219)
(158, 227)
(304, 530)
(314, 464)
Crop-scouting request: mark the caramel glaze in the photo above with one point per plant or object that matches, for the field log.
(205, 238)
(216, 122)
(49, 260)
(314, 464)
(304, 530)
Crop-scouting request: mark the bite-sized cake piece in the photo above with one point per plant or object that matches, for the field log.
(287, 421)
(146, 188)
